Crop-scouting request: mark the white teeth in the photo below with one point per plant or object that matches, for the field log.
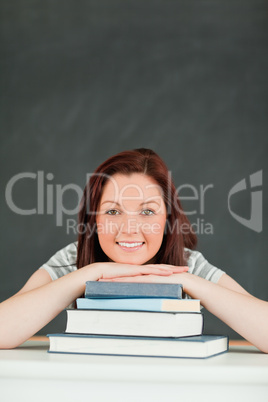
(129, 244)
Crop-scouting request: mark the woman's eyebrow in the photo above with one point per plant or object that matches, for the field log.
(111, 202)
(145, 202)
(149, 202)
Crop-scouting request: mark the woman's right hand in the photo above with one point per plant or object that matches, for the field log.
(110, 270)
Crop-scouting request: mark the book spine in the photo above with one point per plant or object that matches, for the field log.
(133, 290)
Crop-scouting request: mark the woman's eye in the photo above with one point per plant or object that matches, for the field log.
(112, 212)
(147, 212)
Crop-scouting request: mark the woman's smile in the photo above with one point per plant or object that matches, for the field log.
(130, 246)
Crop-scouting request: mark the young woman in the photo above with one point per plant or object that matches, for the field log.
(132, 228)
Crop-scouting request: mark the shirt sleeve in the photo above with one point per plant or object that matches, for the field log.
(199, 266)
(62, 262)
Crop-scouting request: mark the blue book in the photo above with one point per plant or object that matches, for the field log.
(95, 289)
(139, 304)
(201, 347)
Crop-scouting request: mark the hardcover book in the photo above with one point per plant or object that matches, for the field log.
(139, 304)
(95, 289)
(134, 323)
(202, 346)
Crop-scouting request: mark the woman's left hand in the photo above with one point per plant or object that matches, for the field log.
(174, 278)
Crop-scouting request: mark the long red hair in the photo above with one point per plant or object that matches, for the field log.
(147, 162)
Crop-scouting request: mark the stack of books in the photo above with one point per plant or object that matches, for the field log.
(136, 319)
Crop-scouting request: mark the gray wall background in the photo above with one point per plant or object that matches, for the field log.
(81, 81)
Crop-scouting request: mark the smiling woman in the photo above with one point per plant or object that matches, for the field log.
(135, 230)
(132, 198)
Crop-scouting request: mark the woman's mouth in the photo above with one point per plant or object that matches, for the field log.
(130, 246)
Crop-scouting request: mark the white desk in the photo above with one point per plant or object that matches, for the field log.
(29, 373)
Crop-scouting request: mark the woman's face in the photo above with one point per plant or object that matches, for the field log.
(131, 219)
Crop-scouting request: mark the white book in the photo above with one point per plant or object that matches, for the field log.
(134, 323)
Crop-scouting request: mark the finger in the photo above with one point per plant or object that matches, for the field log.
(179, 269)
(158, 271)
(171, 267)
(182, 269)
(138, 272)
(139, 279)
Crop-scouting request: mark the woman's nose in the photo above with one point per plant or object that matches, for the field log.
(129, 224)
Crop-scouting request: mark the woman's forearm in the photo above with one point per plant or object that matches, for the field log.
(247, 315)
(22, 315)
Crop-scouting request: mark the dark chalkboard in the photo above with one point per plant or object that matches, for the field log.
(81, 81)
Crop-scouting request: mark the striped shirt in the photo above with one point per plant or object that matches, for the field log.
(64, 262)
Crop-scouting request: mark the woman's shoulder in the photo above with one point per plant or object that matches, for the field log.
(67, 254)
(62, 262)
(71, 251)
(192, 256)
(198, 265)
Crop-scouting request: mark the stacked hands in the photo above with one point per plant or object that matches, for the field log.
(161, 273)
